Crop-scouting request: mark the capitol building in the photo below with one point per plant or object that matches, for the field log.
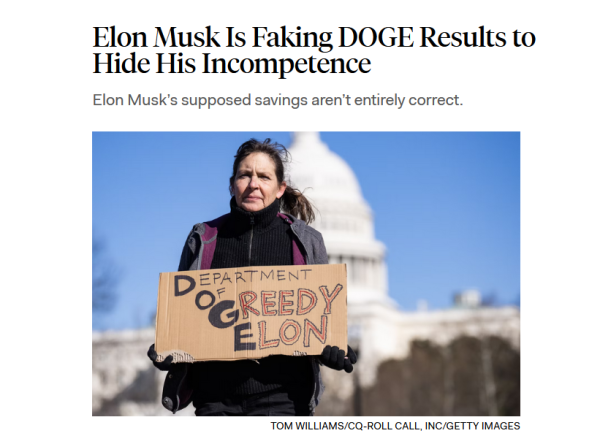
(125, 383)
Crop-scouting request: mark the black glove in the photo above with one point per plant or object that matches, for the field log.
(334, 358)
(165, 364)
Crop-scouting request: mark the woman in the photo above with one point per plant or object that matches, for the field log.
(255, 233)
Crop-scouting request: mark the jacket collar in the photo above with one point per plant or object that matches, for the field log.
(241, 220)
(208, 234)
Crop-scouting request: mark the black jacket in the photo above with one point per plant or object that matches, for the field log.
(198, 251)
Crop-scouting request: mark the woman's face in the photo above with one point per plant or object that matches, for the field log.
(255, 186)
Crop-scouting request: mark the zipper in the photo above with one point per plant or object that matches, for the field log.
(251, 236)
(250, 255)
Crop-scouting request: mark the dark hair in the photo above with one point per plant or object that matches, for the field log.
(292, 201)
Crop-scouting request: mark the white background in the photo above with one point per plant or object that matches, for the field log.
(548, 92)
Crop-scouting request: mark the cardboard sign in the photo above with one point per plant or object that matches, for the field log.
(251, 312)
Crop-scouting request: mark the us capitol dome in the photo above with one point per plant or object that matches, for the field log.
(376, 325)
(343, 217)
(125, 382)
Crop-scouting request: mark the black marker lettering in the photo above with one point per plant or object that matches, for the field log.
(292, 275)
(305, 270)
(251, 272)
(199, 296)
(226, 277)
(191, 281)
(202, 279)
(262, 273)
(238, 344)
(214, 316)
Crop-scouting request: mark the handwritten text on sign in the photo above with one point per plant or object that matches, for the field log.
(241, 313)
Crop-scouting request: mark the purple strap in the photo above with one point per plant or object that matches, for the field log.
(207, 255)
(209, 237)
(297, 254)
(298, 257)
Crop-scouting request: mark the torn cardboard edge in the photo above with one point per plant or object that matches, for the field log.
(178, 356)
(183, 357)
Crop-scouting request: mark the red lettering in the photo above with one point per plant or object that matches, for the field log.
(330, 298)
(290, 323)
(313, 301)
(246, 302)
(263, 342)
(283, 303)
(309, 327)
(265, 295)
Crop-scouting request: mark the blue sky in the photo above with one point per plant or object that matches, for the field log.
(447, 206)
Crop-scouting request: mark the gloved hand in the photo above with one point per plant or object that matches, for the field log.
(165, 364)
(334, 358)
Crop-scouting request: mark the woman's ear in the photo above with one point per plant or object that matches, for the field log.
(282, 188)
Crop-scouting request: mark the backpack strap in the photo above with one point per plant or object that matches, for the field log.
(298, 257)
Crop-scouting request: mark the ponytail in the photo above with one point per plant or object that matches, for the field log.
(296, 204)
